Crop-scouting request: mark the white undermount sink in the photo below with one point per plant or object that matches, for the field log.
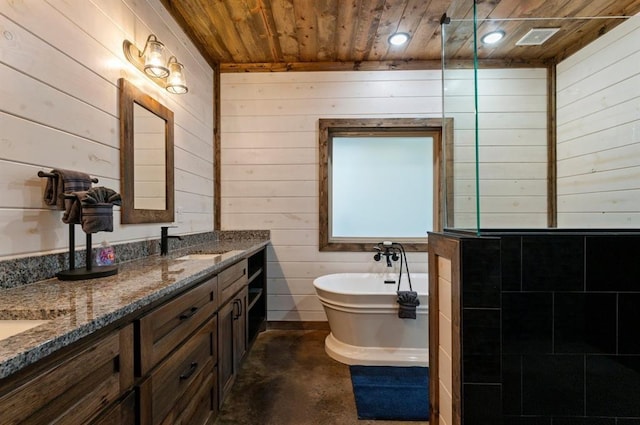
(13, 327)
(200, 257)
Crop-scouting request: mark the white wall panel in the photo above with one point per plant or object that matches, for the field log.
(250, 189)
(33, 100)
(262, 172)
(270, 157)
(334, 106)
(60, 62)
(512, 143)
(334, 90)
(294, 238)
(269, 221)
(260, 156)
(599, 132)
(280, 286)
(290, 205)
(272, 140)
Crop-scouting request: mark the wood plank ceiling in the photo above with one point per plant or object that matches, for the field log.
(281, 35)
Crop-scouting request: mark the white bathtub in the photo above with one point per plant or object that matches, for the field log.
(363, 317)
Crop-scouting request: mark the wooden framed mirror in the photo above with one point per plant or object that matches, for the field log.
(146, 157)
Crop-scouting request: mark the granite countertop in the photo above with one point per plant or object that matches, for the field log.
(76, 309)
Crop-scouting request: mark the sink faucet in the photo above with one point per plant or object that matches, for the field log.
(164, 239)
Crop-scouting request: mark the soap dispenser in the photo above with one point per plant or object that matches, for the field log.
(106, 255)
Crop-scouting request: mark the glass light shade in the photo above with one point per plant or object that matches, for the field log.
(154, 60)
(176, 82)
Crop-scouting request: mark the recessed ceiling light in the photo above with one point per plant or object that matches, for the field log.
(399, 38)
(492, 37)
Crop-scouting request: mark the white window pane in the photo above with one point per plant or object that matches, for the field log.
(381, 186)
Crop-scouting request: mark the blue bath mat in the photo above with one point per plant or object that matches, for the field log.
(391, 393)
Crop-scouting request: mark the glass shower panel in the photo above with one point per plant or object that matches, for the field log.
(554, 140)
(458, 97)
(512, 133)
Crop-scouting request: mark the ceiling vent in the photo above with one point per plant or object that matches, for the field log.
(537, 36)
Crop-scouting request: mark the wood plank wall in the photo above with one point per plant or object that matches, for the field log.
(269, 160)
(59, 66)
(445, 355)
(512, 136)
(599, 132)
(445, 365)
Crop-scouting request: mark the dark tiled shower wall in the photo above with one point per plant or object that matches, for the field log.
(551, 329)
(480, 277)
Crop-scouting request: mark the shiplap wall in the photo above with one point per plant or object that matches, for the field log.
(270, 158)
(59, 66)
(599, 132)
(512, 140)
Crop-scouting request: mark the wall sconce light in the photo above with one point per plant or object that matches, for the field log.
(151, 60)
(176, 83)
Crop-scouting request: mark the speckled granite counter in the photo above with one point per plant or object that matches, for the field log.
(78, 309)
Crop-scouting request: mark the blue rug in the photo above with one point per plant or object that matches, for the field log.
(391, 393)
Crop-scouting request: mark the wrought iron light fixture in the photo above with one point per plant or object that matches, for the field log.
(151, 60)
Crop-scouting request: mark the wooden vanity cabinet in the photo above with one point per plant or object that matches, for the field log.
(172, 365)
(177, 359)
(232, 325)
(123, 413)
(181, 389)
(257, 301)
(231, 280)
(241, 315)
(164, 328)
(77, 388)
(232, 341)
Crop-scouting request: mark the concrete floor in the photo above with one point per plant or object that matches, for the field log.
(287, 379)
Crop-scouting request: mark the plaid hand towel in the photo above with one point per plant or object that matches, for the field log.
(64, 181)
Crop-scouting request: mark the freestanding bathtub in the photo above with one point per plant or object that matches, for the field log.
(363, 318)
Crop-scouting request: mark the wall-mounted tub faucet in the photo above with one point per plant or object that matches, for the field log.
(390, 252)
(408, 300)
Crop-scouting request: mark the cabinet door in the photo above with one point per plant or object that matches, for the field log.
(240, 327)
(123, 413)
(226, 363)
(183, 385)
(74, 389)
(232, 340)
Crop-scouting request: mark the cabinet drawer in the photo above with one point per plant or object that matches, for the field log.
(167, 326)
(231, 280)
(75, 390)
(176, 387)
(123, 413)
(198, 405)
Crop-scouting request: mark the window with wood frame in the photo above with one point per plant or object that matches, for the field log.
(380, 179)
